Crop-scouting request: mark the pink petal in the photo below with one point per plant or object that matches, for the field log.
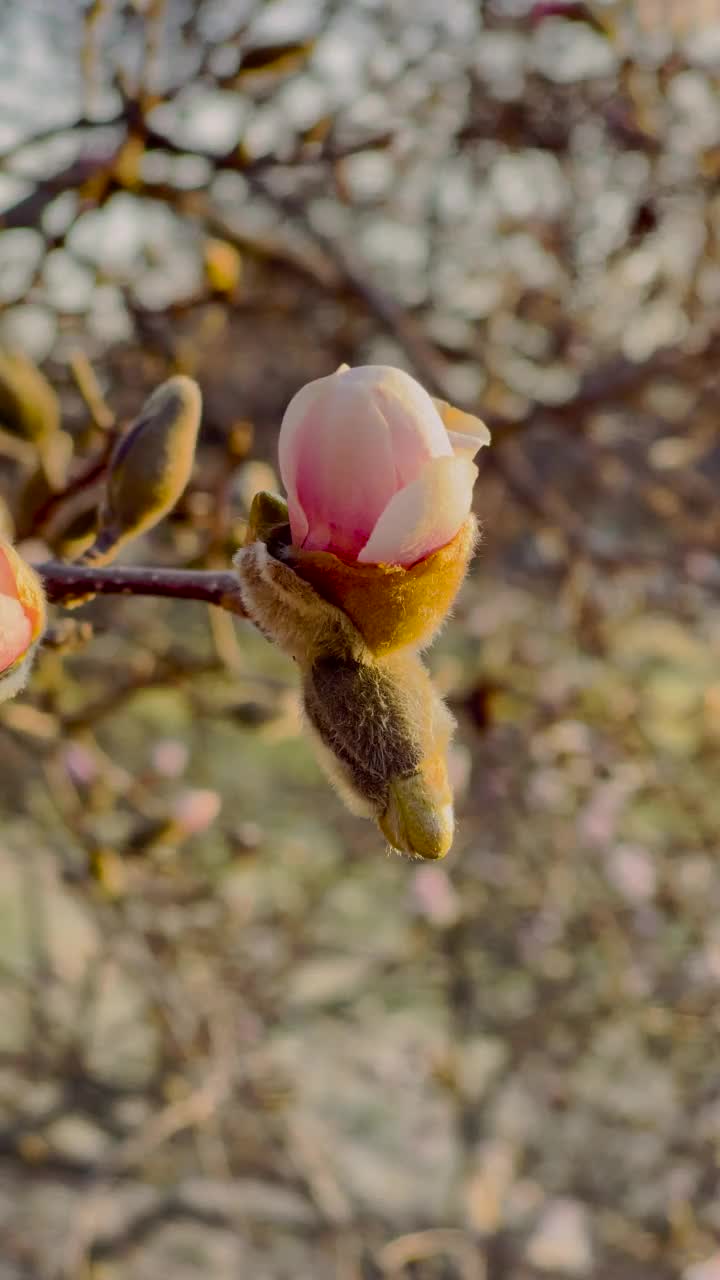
(466, 433)
(8, 585)
(15, 631)
(348, 443)
(346, 474)
(289, 443)
(424, 516)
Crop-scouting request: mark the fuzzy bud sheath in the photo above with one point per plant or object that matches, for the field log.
(392, 606)
(149, 468)
(380, 729)
(356, 573)
(22, 620)
(148, 471)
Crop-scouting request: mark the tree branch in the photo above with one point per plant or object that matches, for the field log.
(68, 581)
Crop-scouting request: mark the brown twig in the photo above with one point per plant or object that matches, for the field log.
(28, 211)
(78, 125)
(87, 384)
(164, 674)
(82, 481)
(67, 581)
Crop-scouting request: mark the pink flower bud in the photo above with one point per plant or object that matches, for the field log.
(376, 471)
(22, 618)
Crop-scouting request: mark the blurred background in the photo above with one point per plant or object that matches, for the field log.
(236, 1038)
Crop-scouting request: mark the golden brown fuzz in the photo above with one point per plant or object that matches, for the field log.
(391, 606)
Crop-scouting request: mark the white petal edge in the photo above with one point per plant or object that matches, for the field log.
(423, 516)
(466, 433)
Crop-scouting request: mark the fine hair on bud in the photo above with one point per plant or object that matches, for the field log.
(382, 734)
(361, 715)
(13, 681)
(149, 468)
(289, 612)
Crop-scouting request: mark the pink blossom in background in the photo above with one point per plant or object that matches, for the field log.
(170, 757)
(375, 469)
(80, 763)
(196, 809)
(435, 896)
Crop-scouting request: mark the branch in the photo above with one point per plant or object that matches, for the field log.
(28, 211)
(78, 125)
(69, 581)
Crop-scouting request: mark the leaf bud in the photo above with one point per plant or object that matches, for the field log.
(29, 406)
(149, 468)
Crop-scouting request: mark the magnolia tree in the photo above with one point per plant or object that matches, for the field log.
(351, 575)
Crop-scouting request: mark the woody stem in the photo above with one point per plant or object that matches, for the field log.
(66, 582)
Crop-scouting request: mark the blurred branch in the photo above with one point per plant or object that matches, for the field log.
(395, 1256)
(357, 278)
(84, 480)
(78, 125)
(67, 581)
(167, 673)
(181, 1205)
(89, 387)
(29, 210)
(167, 1210)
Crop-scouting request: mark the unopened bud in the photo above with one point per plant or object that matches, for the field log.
(150, 467)
(383, 733)
(268, 514)
(288, 611)
(22, 620)
(29, 406)
(381, 730)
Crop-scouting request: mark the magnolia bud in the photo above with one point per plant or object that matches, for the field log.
(289, 612)
(380, 729)
(28, 405)
(268, 516)
(150, 467)
(22, 620)
(383, 733)
(358, 572)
